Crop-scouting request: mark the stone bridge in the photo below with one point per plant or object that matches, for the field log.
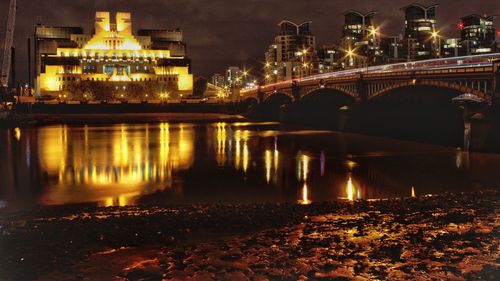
(479, 80)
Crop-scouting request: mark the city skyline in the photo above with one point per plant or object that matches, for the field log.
(214, 33)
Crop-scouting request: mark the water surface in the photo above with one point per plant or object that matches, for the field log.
(182, 163)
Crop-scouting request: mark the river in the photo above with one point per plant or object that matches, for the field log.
(190, 163)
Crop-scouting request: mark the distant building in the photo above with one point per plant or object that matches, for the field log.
(421, 40)
(233, 76)
(452, 48)
(292, 53)
(478, 34)
(360, 40)
(392, 49)
(329, 57)
(153, 62)
(219, 80)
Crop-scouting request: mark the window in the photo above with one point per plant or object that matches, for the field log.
(108, 69)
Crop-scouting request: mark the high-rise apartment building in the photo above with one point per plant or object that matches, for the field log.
(421, 39)
(477, 34)
(360, 40)
(292, 53)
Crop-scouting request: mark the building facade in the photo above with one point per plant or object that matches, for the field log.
(360, 40)
(292, 53)
(329, 57)
(233, 76)
(219, 80)
(392, 49)
(421, 39)
(452, 48)
(477, 34)
(112, 62)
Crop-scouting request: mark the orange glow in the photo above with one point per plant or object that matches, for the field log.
(268, 164)
(17, 133)
(303, 167)
(221, 143)
(350, 190)
(305, 195)
(246, 156)
(113, 174)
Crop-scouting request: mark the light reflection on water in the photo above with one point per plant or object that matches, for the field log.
(120, 165)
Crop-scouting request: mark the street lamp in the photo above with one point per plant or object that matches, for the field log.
(350, 53)
(436, 38)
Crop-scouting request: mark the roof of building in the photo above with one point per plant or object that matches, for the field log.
(420, 6)
(371, 13)
(490, 18)
(292, 23)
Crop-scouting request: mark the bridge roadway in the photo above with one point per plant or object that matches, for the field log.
(474, 75)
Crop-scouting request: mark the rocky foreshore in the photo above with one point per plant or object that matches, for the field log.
(445, 237)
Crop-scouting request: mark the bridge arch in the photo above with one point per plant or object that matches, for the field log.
(328, 94)
(420, 111)
(269, 106)
(346, 90)
(278, 97)
(323, 107)
(249, 102)
(448, 85)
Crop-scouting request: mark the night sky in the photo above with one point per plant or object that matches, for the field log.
(220, 33)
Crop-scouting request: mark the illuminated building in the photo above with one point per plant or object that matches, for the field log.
(329, 57)
(233, 76)
(292, 53)
(392, 48)
(219, 80)
(361, 36)
(420, 25)
(477, 34)
(153, 61)
(452, 47)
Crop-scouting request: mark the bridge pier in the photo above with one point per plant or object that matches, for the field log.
(362, 88)
(496, 83)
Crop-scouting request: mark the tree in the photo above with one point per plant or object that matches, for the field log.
(79, 91)
(200, 87)
(136, 91)
(101, 91)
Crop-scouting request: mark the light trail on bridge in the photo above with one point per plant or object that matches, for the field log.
(484, 60)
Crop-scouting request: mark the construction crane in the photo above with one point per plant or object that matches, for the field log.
(9, 40)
